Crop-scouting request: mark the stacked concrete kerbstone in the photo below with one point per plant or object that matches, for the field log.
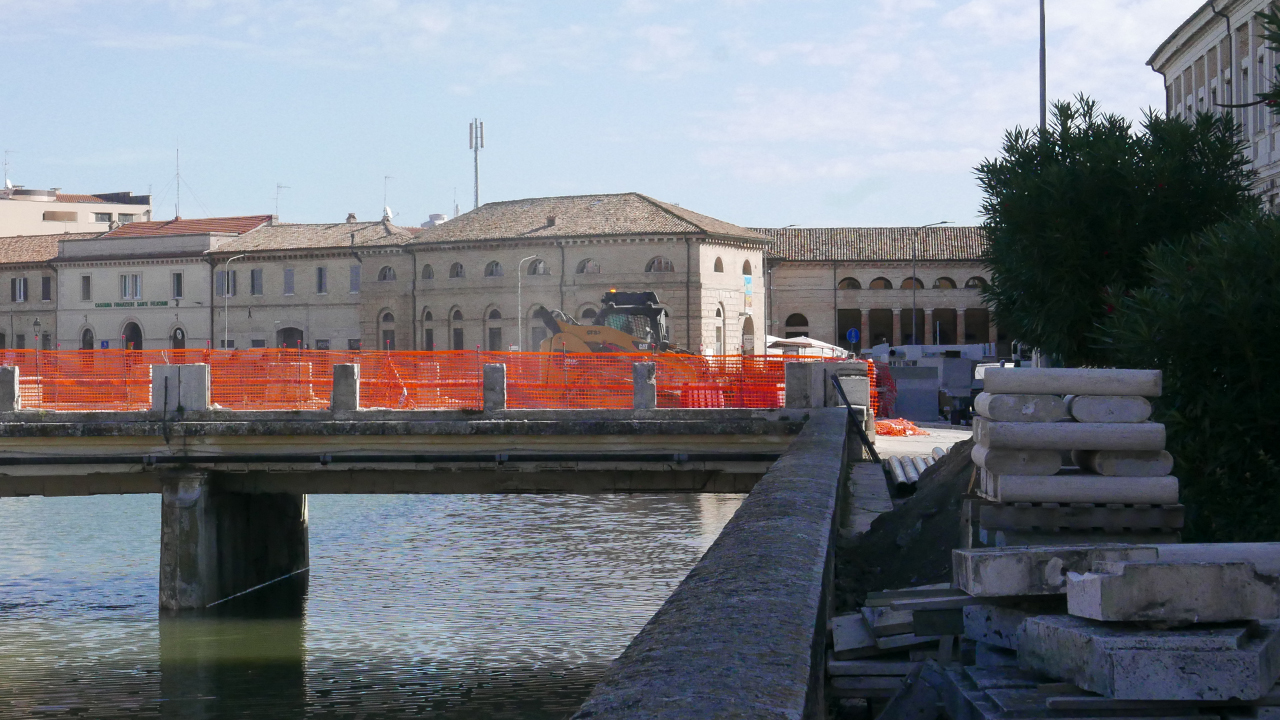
(1103, 630)
(1068, 456)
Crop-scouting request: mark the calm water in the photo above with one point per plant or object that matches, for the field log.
(438, 606)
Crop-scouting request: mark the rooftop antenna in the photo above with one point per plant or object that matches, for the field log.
(177, 182)
(280, 187)
(385, 180)
(7, 153)
(476, 140)
(455, 202)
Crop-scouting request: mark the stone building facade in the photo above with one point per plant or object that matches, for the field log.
(1218, 58)
(823, 282)
(29, 292)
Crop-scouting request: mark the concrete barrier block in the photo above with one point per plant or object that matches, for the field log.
(186, 387)
(644, 376)
(1017, 462)
(1265, 556)
(1124, 463)
(994, 625)
(1109, 409)
(1020, 408)
(10, 397)
(345, 395)
(1126, 663)
(1094, 489)
(1172, 593)
(1007, 572)
(1068, 435)
(804, 385)
(495, 387)
(1071, 381)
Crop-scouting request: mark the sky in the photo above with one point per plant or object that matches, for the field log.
(762, 113)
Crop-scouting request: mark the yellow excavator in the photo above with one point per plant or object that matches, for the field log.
(628, 322)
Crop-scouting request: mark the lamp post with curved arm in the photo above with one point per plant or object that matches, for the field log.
(226, 299)
(520, 302)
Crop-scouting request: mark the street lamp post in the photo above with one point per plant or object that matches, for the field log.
(520, 302)
(915, 280)
(226, 299)
(35, 331)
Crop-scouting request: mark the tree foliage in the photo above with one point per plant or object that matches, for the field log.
(1210, 320)
(1071, 213)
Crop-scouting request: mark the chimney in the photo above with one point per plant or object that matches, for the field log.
(351, 217)
(551, 221)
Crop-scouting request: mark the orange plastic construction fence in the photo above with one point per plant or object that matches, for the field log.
(898, 428)
(282, 379)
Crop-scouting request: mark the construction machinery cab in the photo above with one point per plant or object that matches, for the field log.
(627, 322)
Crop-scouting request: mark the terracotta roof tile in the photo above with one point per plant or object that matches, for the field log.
(579, 216)
(35, 248)
(69, 198)
(302, 236)
(877, 243)
(228, 225)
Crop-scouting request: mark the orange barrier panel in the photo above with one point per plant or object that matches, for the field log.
(283, 379)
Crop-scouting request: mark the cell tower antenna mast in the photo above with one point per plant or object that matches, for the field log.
(177, 183)
(280, 187)
(7, 153)
(476, 141)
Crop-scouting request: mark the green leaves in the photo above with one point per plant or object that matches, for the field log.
(1071, 214)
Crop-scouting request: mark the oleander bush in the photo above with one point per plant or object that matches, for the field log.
(1209, 317)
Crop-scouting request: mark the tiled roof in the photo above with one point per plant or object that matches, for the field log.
(876, 243)
(579, 216)
(35, 248)
(65, 197)
(302, 236)
(228, 225)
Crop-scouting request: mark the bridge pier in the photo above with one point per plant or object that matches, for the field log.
(215, 543)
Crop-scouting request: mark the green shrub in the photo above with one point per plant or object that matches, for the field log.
(1210, 319)
(1070, 215)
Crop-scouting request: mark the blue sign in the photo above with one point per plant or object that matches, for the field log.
(106, 344)
(853, 335)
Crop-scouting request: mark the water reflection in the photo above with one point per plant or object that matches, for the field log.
(436, 606)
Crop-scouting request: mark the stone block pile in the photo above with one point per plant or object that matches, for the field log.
(1115, 630)
(1069, 456)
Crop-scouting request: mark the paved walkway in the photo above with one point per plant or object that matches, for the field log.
(943, 437)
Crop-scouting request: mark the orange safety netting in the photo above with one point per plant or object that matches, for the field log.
(898, 428)
(283, 379)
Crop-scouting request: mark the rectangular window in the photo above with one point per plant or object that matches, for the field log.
(255, 281)
(86, 288)
(19, 342)
(46, 288)
(127, 218)
(102, 217)
(131, 287)
(388, 340)
(322, 344)
(46, 341)
(60, 216)
(227, 344)
(177, 286)
(353, 344)
(220, 286)
(458, 340)
(322, 281)
(288, 281)
(18, 289)
(258, 343)
(495, 339)
(429, 339)
(355, 278)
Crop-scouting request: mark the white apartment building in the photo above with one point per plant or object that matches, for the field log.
(48, 212)
(1218, 57)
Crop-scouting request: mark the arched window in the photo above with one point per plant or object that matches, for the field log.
(850, 284)
(976, 283)
(428, 273)
(588, 267)
(386, 274)
(912, 283)
(493, 269)
(660, 265)
(494, 314)
(86, 339)
(427, 317)
(388, 318)
(539, 267)
(944, 283)
(456, 271)
(797, 320)
(881, 284)
(719, 266)
(457, 315)
(746, 267)
(588, 314)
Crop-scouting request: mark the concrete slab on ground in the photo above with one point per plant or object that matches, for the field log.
(923, 445)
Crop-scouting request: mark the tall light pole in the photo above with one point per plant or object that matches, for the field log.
(1044, 100)
(226, 298)
(476, 143)
(520, 303)
(915, 280)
